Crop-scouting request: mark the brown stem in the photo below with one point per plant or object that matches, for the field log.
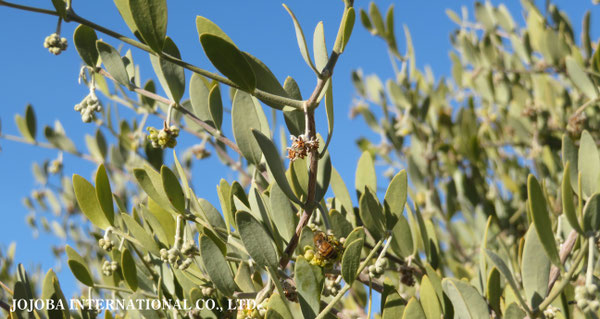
(565, 250)
(191, 115)
(310, 132)
(71, 16)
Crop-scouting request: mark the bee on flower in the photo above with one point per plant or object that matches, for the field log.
(301, 146)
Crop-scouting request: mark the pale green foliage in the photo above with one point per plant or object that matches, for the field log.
(511, 140)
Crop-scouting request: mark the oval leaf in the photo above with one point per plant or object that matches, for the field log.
(301, 41)
(216, 266)
(244, 118)
(229, 60)
(79, 267)
(395, 199)
(591, 214)
(351, 260)
(128, 269)
(309, 282)
(84, 39)
(112, 62)
(567, 199)
(580, 78)
(150, 17)
(104, 194)
(257, 241)
(170, 75)
(172, 188)
(541, 219)
(467, 302)
(88, 202)
(535, 269)
(588, 164)
(275, 165)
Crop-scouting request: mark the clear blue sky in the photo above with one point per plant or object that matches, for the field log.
(30, 74)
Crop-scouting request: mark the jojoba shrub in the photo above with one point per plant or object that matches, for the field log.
(490, 207)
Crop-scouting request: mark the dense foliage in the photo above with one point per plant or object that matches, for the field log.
(492, 207)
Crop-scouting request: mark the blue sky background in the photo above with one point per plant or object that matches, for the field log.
(30, 74)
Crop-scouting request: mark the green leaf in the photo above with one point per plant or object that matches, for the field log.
(591, 214)
(588, 164)
(27, 125)
(320, 46)
(376, 19)
(199, 93)
(84, 39)
(275, 165)
(351, 260)
(393, 305)
(330, 116)
(513, 311)
(467, 302)
(493, 290)
(51, 291)
(429, 300)
(266, 80)
(203, 25)
(301, 41)
(285, 216)
(580, 78)
(339, 225)
(170, 75)
(104, 194)
(357, 233)
(61, 8)
(541, 219)
(567, 199)
(395, 199)
(79, 267)
(244, 117)
(294, 120)
(139, 233)
(172, 189)
(151, 183)
(365, 174)
(112, 62)
(150, 17)
(413, 309)
(535, 269)
(211, 214)
(216, 266)
(341, 193)
(345, 30)
(309, 282)
(371, 214)
(215, 106)
(569, 154)
(402, 242)
(257, 241)
(506, 273)
(277, 308)
(128, 269)
(323, 174)
(88, 202)
(230, 61)
(125, 12)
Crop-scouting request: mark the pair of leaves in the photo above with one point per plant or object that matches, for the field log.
(27, 125)
(95, 202)
(147, 20)
(206, 101)
(163, 188)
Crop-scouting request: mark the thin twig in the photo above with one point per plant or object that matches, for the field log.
(565, 251)
(71, 16)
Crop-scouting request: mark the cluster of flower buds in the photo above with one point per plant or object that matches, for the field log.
(407, 275)
(105, 242)
(301, 146)
(89, 106)
(207, 291)
(55, 44)
(551, 312)
(587, 298)
(314, 259)
(163, 138)
(109, 267)
(174, 257)
(56, 165)
(200, 152)
(332, 286)
(188, 248)
(376, 270)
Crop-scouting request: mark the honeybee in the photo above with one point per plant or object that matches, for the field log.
(326, 246)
